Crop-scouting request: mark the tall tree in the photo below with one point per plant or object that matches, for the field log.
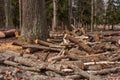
(6, 13)
(33, 20)
(1, 13)
(92, 11)
(54, 25)
(69, 13)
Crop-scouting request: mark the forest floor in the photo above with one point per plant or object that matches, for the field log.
(108, 58)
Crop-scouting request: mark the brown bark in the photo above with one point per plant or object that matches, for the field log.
(107, 71)
(54, 40)
(81, 44)
(8, 33)
(40, 47)
(54, 25)
(113, 39)
(47, 44)
(2, 35)
(31, 50)
(33, 20)
(18, 43)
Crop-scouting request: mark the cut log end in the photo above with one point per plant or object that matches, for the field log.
(118, 41)
(49, 60)
(2, 35)
(36, 41)
(17, 34)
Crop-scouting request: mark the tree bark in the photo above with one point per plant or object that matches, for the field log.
(69, 14)
(6, 13)
(54, 25)
(92, 15)
(33, 20)
(81, 44)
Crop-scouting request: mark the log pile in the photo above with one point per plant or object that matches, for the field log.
(79, 56)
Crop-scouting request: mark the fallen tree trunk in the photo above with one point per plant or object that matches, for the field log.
(30, 48)
(107, 71)
(113, 39)
(40, 47)
(54, 40)
(10, 33)
(80, 44)
(47, 44)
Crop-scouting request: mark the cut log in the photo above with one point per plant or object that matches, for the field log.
(56, 34)
(18, 43)
(60, 57)
(107, 71)
(54, 40)
(79, 64)
(31, 50)
(2, 35)
(101, 62)
(10, 33)
(73, 77)
(85, 74)
(80, 44)
(40, 47)
(113, 39)
(47, 44)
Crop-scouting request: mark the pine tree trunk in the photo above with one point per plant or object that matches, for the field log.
(54, 25)
(92, 15)
(6, 13)
(20, 13)
(1, 13)
(33, 20)
(69, 13)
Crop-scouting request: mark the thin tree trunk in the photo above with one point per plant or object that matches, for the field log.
(20, 13)
(95, 25)
(69, 13)
(54, 25)
(92, 15)
(6, 13)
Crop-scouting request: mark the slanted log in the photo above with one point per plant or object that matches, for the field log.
(80, 44)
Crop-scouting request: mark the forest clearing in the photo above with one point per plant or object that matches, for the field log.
(60, 40)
